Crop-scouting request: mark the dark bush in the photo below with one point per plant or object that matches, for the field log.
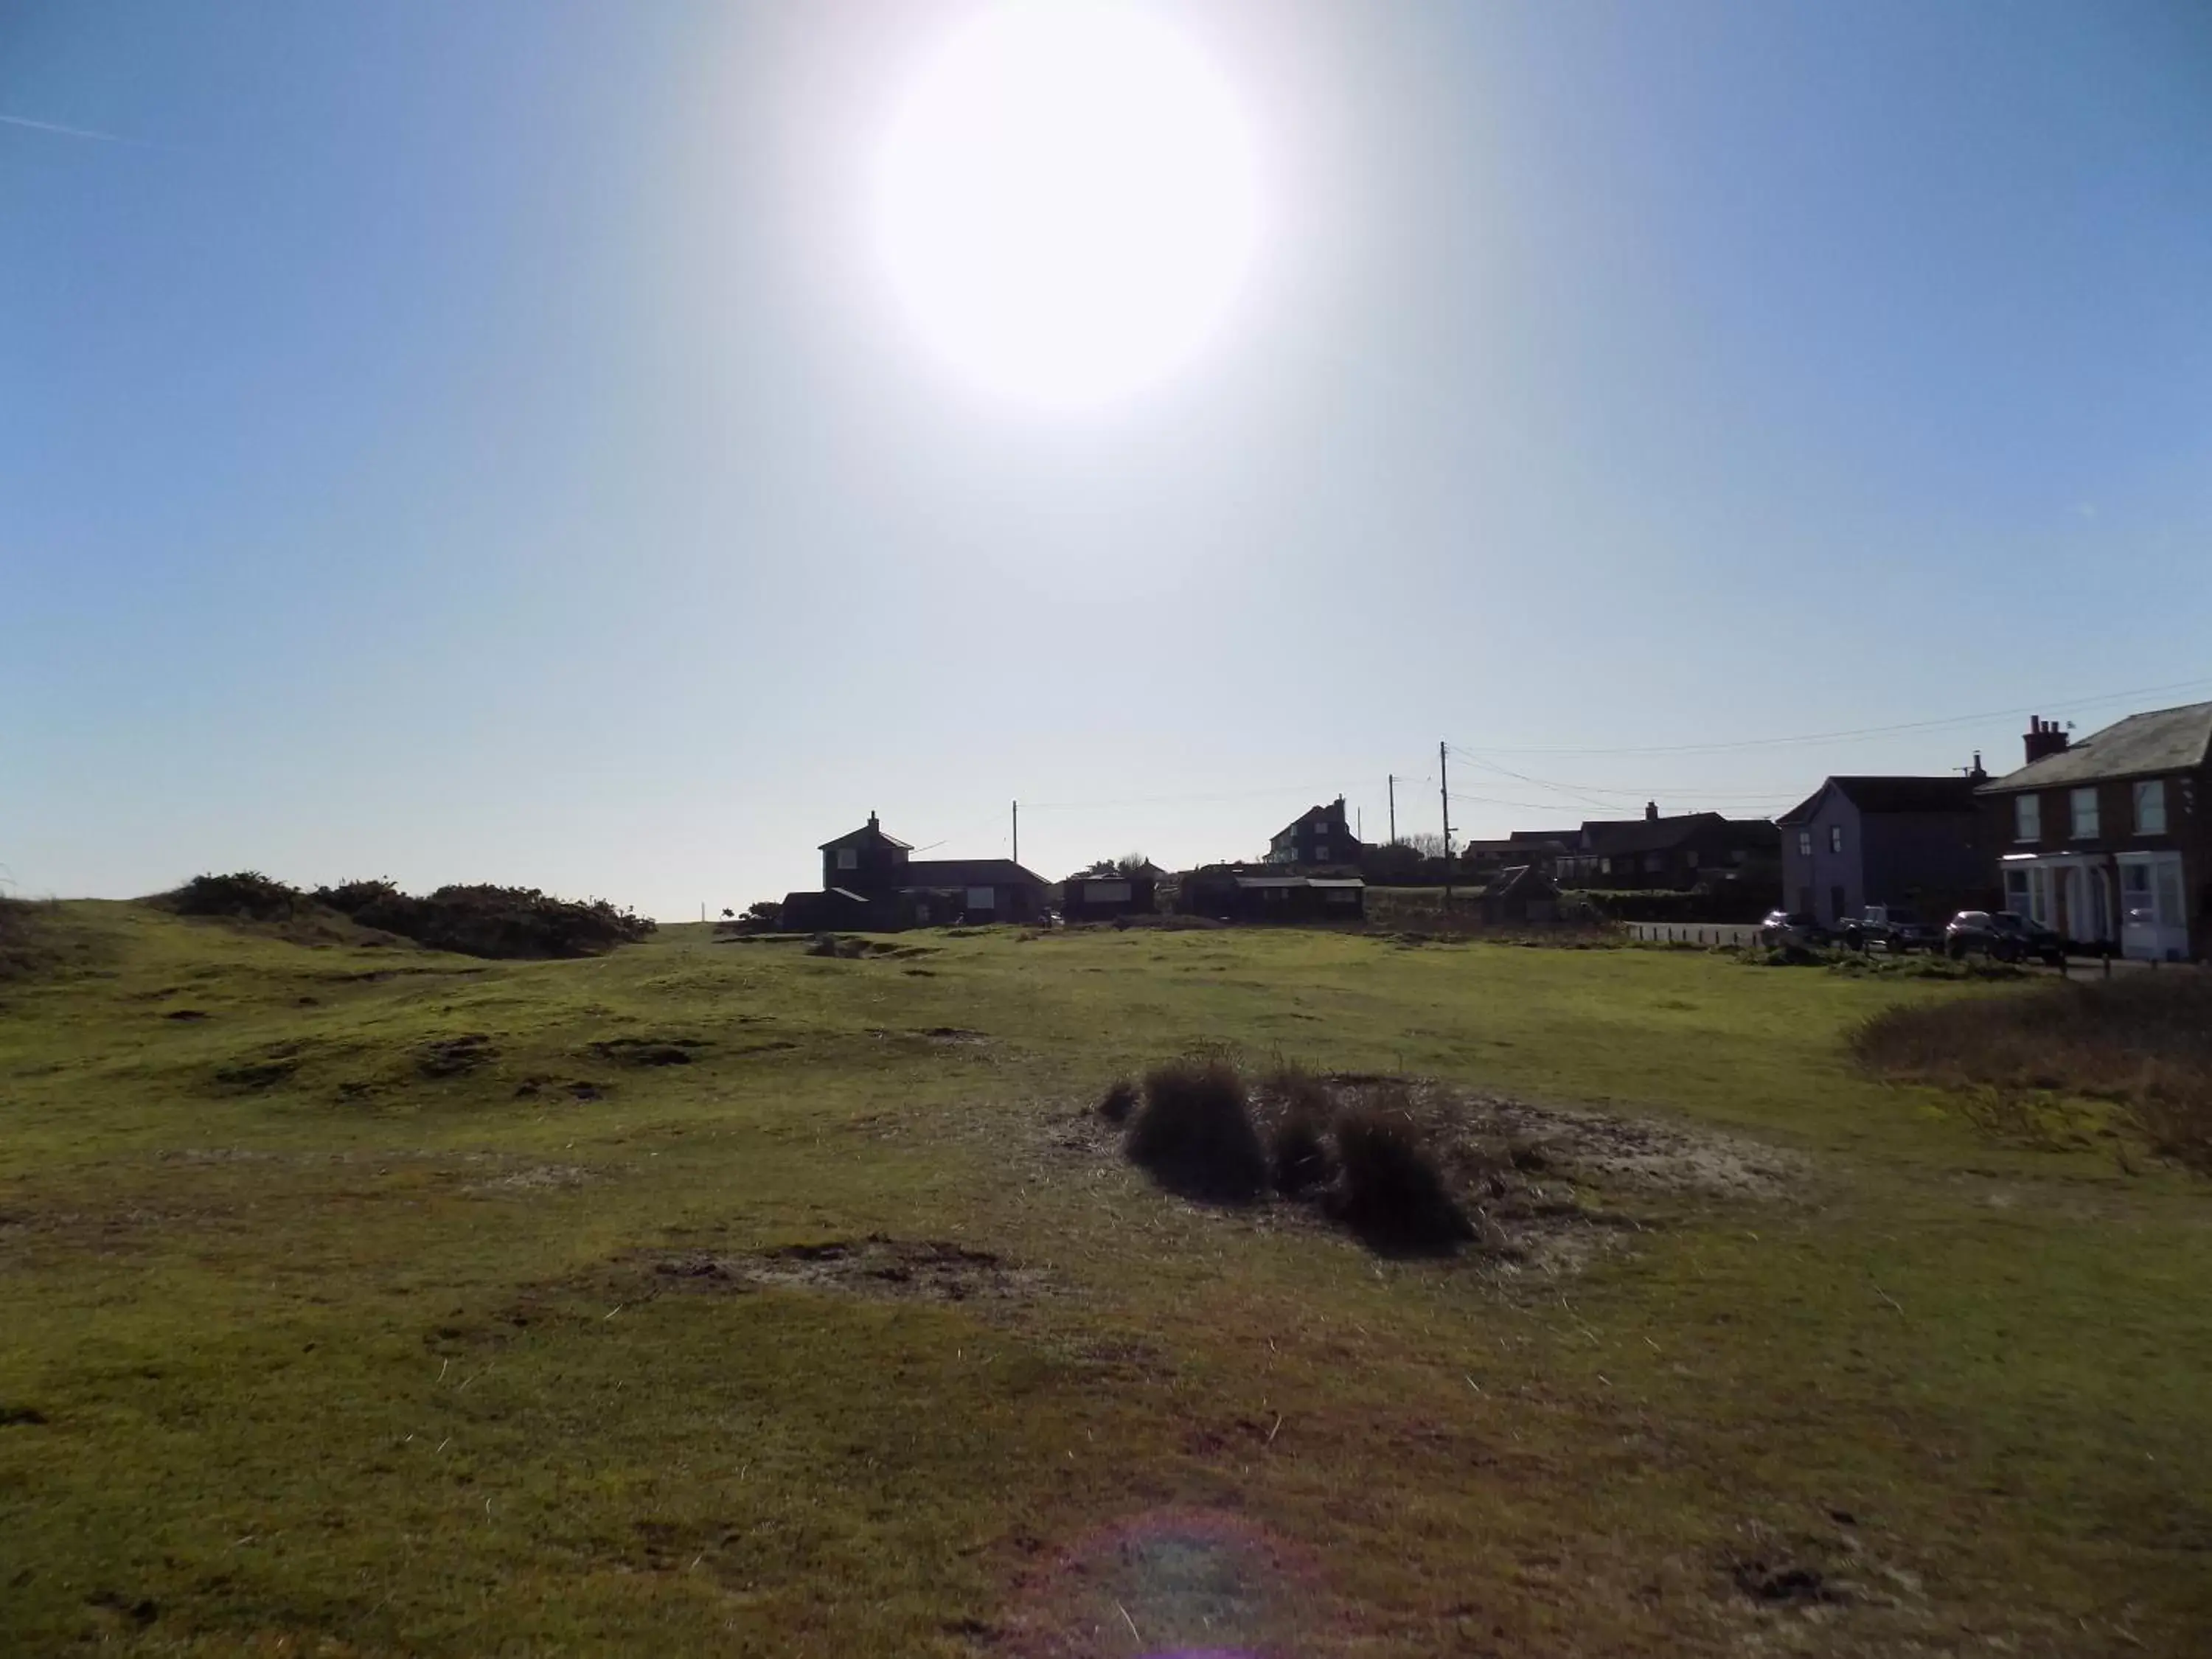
(1393, 1194)
(484, 920)
(1119, 1101)
(1194, 1133)
(243, 896)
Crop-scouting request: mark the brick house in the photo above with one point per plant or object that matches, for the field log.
(2108, 842)
(1860, 840)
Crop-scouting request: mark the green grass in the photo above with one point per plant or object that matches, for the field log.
(364, 1360)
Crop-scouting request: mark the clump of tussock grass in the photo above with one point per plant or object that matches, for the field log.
(1119, 1101)
(1299, 1155)
(1392, 1193)
(2143, 1041)
(1194, 1132)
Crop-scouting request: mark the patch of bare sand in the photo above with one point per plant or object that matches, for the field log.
(1547, 1186)
(921, 1270)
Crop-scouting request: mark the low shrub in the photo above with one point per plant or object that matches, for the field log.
(242, 896)
(1193, 1134)
(2143, 1040)
(484, 921)
(1119, 1101)
(1394, 1195)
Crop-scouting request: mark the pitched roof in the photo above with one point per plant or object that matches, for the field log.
(1615, 837)
(869, 831)
(1891, 794)
(2162, 740)
(969, 872)
(1332, 815)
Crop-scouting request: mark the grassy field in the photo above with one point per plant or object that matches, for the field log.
(718, 1298)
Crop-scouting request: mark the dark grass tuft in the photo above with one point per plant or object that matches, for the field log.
(1119, 1101)
(1298, 1154)
(1394, 1195)
(1193, 1134)
(2143, 1041)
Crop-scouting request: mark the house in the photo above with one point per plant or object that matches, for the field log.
(1860, 841)
(1101, 895)
(1242, 893)
(2108, 842)
(974, 890)
(1524, 893)
(1319, 835)
(870, 881)
(1681, 851)
(1539, 848)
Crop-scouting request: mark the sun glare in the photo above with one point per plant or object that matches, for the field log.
(1067, 202)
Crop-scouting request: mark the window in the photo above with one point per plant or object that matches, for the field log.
(1321, 852)
(1835, 838)
(848, 858)
(1804, 843)
(2084, 805)
(982, 898)
(1605, 866)
(2016, 900)
(2027, 818)
(2150, 807)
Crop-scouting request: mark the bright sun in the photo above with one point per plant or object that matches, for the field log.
(1067, 202)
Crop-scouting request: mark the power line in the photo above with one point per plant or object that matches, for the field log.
(1860, 731)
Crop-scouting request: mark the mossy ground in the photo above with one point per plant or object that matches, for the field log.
(333, 1319)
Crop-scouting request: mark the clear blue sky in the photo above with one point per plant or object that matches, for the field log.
(470, 442)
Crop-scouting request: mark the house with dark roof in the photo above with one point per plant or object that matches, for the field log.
(2108, 842)
(870, 881)
(1860, 840)
(1318, 836)
(1680, 851)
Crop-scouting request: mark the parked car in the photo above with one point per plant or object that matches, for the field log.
(1798, 927)
(2003, 935)
(1893, 926)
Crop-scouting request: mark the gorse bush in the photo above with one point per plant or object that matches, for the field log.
(472, 920)
(484, 920)
(243, 896)
(1394, 1195)
(1193, 1134)
(2144, 1041)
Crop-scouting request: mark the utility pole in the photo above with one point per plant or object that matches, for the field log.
(1017, 832)
(1392, 784)
(1444, 791)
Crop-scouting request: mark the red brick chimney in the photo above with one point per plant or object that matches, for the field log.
(2043, 737)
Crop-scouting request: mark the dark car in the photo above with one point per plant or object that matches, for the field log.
(1798, 927)
(1893, 926)
(2002, 935)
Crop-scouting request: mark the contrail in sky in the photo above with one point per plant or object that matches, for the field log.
(71, 132)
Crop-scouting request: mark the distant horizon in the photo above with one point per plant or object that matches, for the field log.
(611, 451)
